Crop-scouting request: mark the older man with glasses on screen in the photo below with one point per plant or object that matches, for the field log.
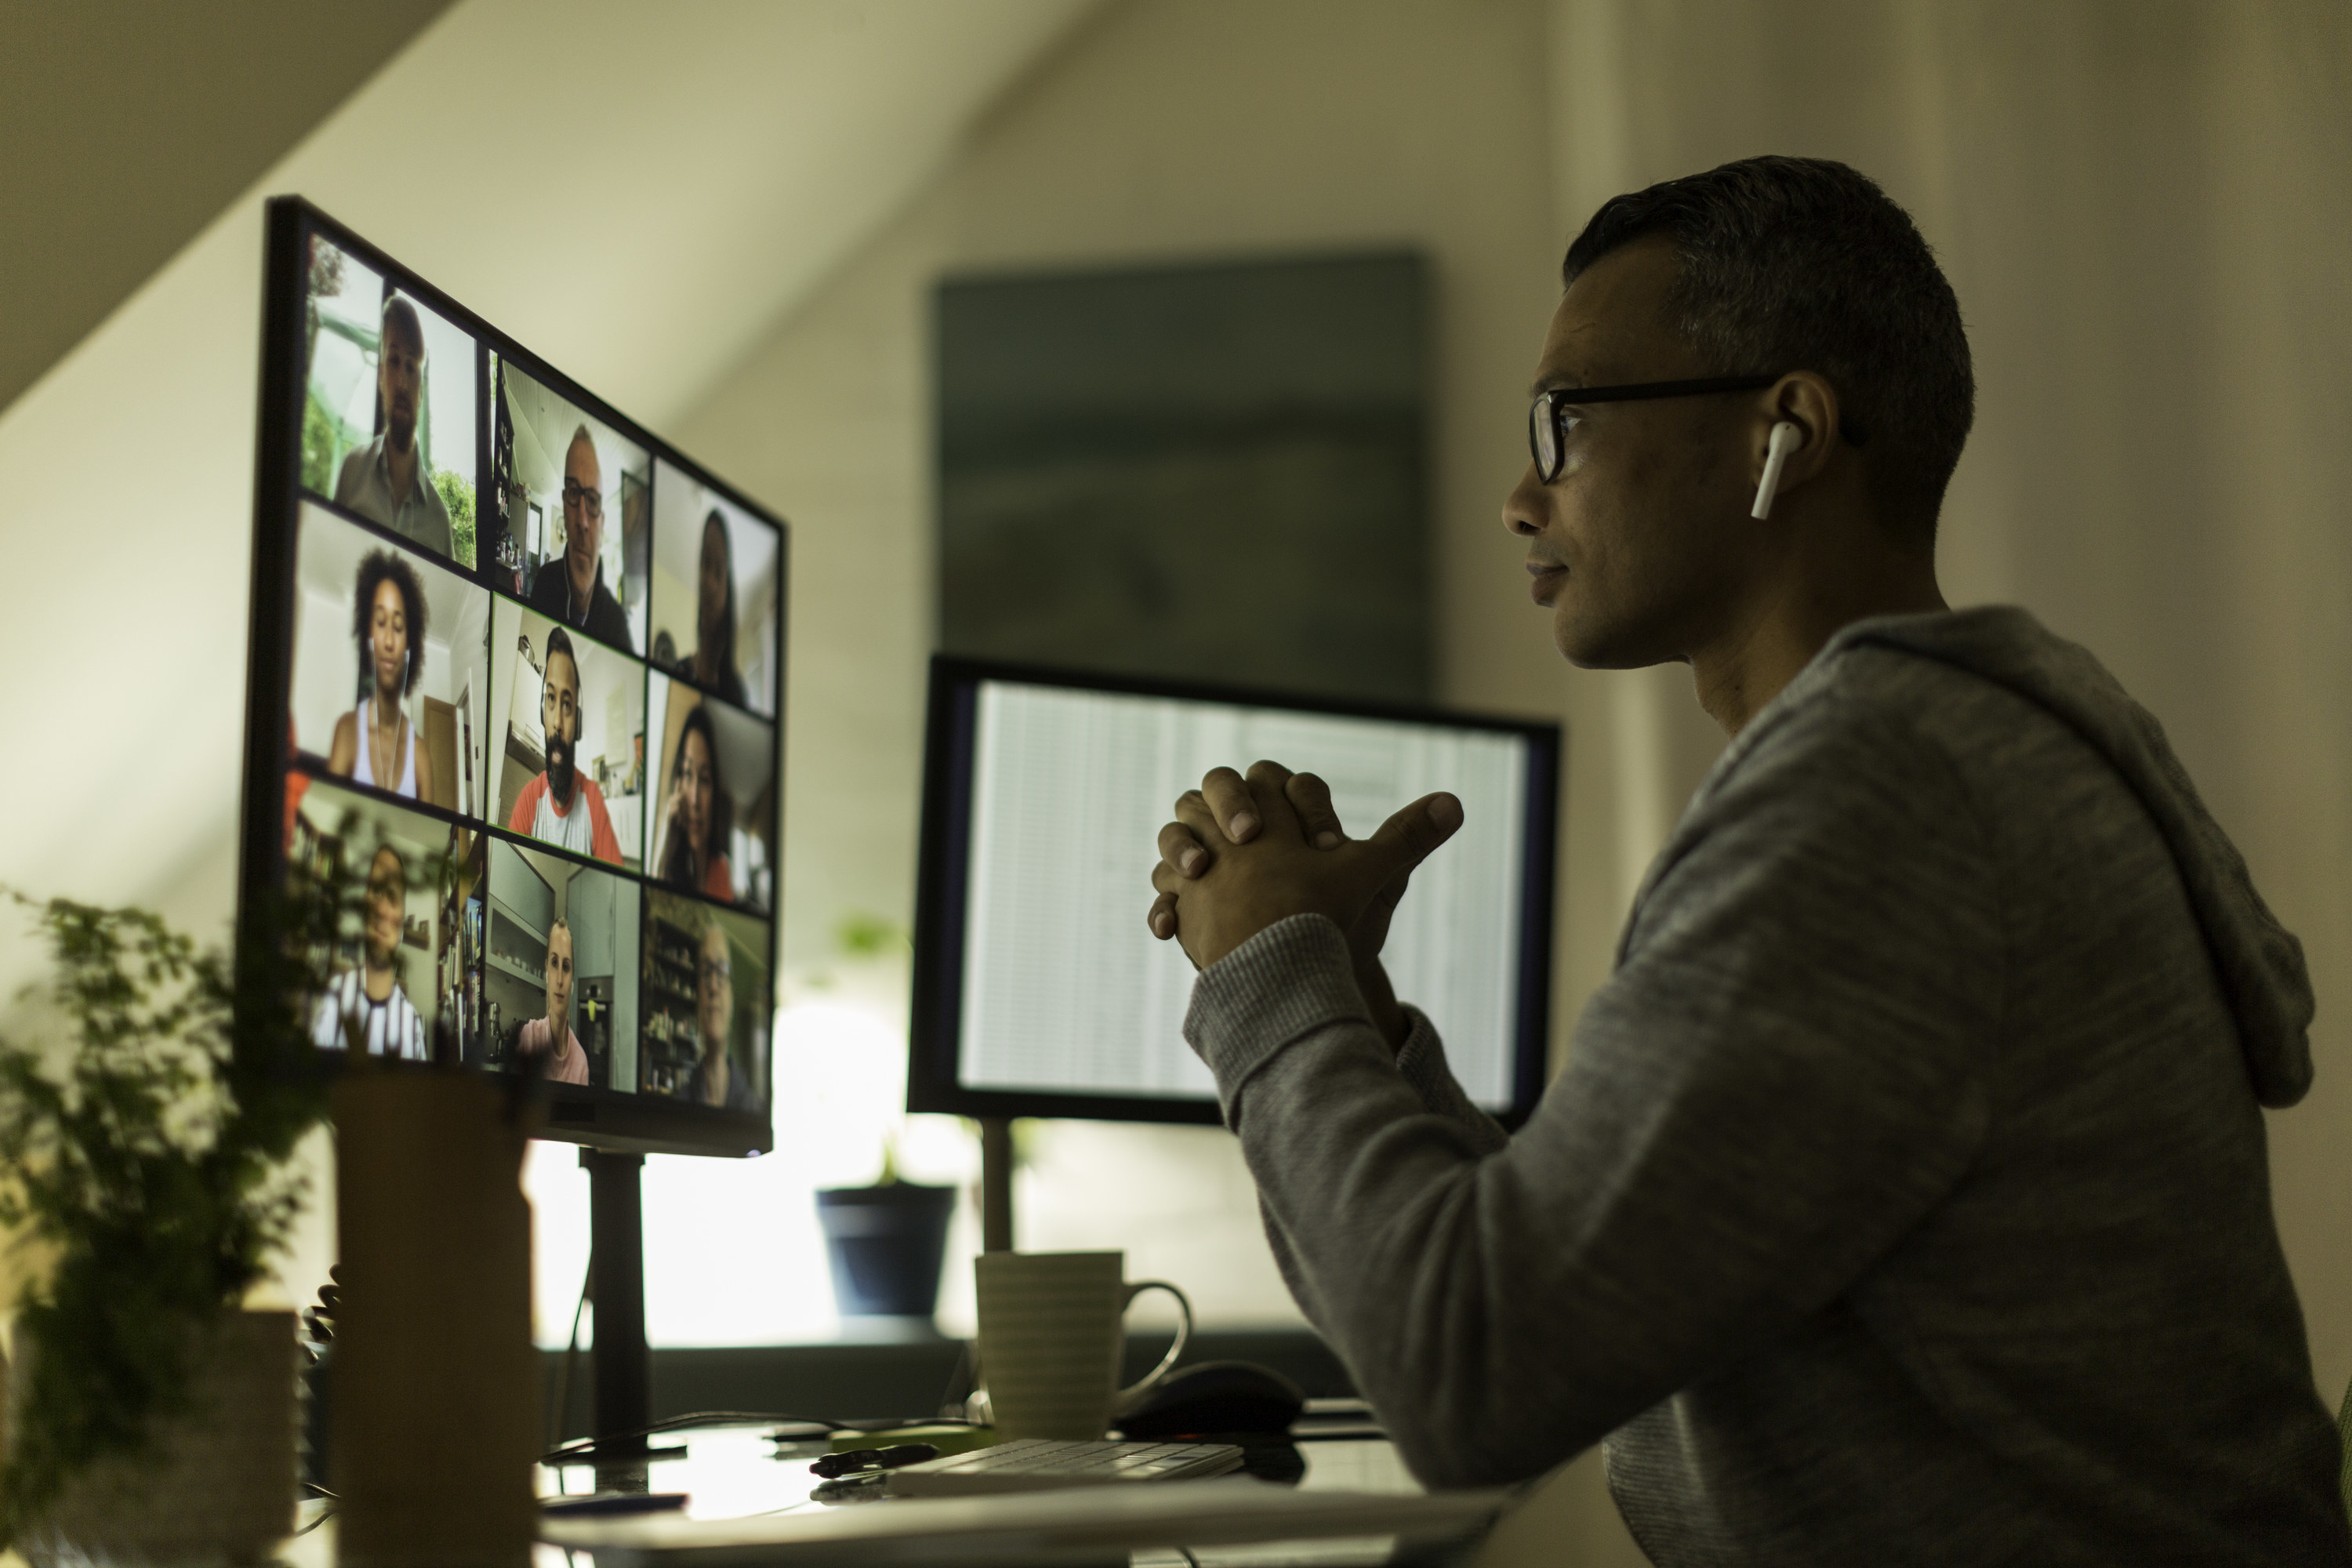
(717, 1077)
(572, 590)
(1904, 1198)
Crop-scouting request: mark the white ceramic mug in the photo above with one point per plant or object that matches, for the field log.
(1052, 1328)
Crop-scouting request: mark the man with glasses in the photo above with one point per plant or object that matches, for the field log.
(1904, 1198)
(386, 482)
(572, 590)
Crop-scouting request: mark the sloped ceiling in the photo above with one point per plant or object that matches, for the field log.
(635, 192)
(125, 129)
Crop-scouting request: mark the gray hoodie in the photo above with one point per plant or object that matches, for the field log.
(1905, 1198)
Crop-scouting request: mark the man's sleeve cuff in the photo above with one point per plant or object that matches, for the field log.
(1287, 982)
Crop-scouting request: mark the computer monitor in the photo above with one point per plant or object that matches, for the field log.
(1038, 989)
(524, 658)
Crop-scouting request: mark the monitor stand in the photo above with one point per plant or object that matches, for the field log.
(623, 1367)
(995, 1184)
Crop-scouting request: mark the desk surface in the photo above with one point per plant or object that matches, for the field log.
(729, 1473)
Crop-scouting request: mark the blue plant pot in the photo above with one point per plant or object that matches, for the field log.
(886, 1245)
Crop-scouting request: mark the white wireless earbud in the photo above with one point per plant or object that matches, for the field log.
(1782, 441)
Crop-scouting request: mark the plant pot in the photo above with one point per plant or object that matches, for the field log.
(215, 1483)
(885, 1244)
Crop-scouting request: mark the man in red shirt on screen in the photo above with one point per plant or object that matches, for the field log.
(563, 805)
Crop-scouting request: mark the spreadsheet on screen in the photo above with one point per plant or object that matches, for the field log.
(1063, 987)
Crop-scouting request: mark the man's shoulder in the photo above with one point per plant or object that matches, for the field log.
(607, 620)
(584, 789)
(547, 587)
(527, 802)
(1982, 730)
(352, 475)
(434, 506)
(1859, 723)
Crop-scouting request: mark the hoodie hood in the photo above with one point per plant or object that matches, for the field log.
(2259, 960)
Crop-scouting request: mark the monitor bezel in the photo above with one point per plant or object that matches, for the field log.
(612, 1120)
(935, 1013)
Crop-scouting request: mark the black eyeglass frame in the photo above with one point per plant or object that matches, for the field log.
(1544, 415)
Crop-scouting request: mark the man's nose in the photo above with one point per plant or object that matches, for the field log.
(1521, 508)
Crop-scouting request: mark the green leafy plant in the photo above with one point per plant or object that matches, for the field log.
(457, 493)
(321, 447)
(145, 1154)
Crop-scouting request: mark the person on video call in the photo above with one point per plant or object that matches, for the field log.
(1904, 1198)
(572, 590)
(717, 1079)
(374, 744)
(552, 1035)
(698, 814)
(711, 665)
(364, 1007)
(563, 805)
(384, 481)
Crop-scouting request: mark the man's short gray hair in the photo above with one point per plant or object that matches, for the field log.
(1805, 264)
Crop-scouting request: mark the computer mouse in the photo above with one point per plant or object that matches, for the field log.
(1219, 1396)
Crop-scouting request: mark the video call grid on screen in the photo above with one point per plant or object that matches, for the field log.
(1041, 992)
(472, 649)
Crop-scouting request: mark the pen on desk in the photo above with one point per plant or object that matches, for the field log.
(872, 1460)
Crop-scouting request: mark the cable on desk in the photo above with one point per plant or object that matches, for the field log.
(563, 1411)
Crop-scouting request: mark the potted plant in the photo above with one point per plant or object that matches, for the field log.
(886, 1242)
(144, 1153)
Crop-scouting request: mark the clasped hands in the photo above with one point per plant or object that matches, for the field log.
(1245, 852)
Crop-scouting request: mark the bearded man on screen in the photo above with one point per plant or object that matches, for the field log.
(563, 805)
(1904, 1197)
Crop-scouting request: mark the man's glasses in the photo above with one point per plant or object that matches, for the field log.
(1548, 418)
(715, 972)
(590, 502)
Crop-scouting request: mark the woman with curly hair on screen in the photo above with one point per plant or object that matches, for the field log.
(374, 743)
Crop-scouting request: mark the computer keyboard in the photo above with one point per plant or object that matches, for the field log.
(1041, 1464)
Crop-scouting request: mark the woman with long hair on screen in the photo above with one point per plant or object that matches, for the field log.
(374, 743)
(698, 815)
(711, 665)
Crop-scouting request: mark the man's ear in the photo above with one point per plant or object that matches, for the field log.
(1807, 402)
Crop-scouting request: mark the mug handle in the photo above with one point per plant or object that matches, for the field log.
(1183, 1332)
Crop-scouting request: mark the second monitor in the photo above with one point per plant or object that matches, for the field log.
(1038, 991)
